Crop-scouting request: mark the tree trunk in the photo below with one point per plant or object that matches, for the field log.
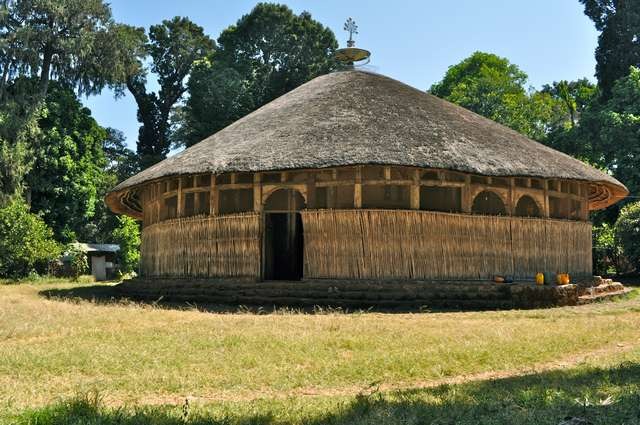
(5, 75)
(46, 70)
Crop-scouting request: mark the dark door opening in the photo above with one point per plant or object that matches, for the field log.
(284, 245)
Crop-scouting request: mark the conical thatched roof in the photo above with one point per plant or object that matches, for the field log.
(355, 117)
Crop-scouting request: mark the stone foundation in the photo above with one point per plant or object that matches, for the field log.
(403, 295)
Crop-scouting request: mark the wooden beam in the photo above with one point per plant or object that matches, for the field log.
(357, 189)
(415, 190)
(257, 193)
(213, 196)
(545, 209)
(465, 194)
(158, 201)
(179, 207)
(510, 196)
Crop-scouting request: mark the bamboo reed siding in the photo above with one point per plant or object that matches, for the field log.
(386, 244)
(374, 244)
(226, 246)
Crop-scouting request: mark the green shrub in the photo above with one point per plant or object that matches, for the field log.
(26, 242)
(78, 262)
(606, 252)
(127, 235)
(627, 230)
(86, 278)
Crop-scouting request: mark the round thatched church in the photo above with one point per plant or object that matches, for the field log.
(355, 177)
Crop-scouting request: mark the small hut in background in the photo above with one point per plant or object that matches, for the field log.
(102, 259)
(357, 178)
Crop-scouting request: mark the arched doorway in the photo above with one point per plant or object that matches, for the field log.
(488, 203)
(283, 244)
(527, 207)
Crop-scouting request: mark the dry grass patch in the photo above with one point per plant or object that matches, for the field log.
(133, 353)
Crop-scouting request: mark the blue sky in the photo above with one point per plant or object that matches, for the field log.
(410, 40)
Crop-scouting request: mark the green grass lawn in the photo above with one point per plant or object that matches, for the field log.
(143, 361)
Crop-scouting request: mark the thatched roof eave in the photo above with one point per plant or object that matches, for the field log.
(358, 118)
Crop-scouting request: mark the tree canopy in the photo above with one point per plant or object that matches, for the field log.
(173, 46)
(612, 130)
(267, 53)
(68, 165)
(619, 42)
(495, 88)
(68, 40)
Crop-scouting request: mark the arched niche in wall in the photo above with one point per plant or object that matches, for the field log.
(285, 200)
(527, 207)
(488, 203)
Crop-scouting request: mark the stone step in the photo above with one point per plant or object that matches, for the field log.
(603, 296)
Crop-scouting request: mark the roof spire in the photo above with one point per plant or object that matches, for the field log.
(351, 55)
(351, 26)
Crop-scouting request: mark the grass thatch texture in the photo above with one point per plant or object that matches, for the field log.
(224, 246)
(379, 244)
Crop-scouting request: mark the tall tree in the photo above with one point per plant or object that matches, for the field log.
(69, 165)
(68, 40)
(218, 96)
(121, 161)
(267, 53)
(495, 88)
(18, 131)
(572, 98)
(173, 47)
(612, 129)
(619, 42)
(575, 96)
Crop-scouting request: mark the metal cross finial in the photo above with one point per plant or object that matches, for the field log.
(351, 26)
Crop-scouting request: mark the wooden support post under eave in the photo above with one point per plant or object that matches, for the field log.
(257, 193)
(465, 194)
(196, 200)
(213, 196)
(511, 198)
(357, 189)
(159, 201)
(545, 208)
(415, 190)
(180, 206)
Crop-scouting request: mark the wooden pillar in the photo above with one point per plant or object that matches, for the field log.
(332, 191)
(465, 194)
(357, 189)
(257, 193)
(510, 197)
(545, 208)
(415, 190)
(311, 190)
(159, 200)
(196, 200)
(180, 206)
(213, 196)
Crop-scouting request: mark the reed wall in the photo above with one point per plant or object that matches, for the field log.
(388, 244)
(373, 244)
(224, 246)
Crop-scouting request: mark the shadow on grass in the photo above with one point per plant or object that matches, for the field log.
(599, 396)
(104, 294)
(110, 295)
